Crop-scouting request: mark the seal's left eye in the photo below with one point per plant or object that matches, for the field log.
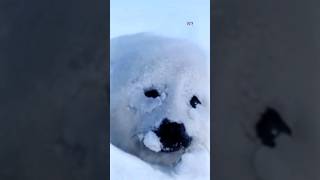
(194, 101)
(152, 93)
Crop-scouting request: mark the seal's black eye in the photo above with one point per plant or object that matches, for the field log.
(194, 101)
(151, 93)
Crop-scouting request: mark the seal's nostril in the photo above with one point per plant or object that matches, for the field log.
(173, 136)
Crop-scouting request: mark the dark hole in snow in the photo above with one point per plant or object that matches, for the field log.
(270, 126)
(173, 136)
(153, 93)
(194, 101)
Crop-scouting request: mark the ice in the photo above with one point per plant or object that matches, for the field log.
(152, 141)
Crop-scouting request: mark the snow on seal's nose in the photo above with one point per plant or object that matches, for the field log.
(173, 136)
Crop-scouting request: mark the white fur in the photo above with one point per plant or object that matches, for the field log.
(178, 70)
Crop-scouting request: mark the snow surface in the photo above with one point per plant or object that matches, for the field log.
(124, 166)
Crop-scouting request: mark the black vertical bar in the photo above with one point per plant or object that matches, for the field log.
(54, 89)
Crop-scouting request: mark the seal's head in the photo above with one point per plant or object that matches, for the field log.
(159, 97)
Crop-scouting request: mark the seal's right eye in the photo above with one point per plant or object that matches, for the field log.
(151, 93)
(194, 101)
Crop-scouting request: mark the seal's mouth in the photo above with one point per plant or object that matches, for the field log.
(173, 136)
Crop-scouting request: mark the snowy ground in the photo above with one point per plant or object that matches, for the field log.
(124, 166)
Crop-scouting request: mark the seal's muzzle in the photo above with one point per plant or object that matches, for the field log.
(173, 136)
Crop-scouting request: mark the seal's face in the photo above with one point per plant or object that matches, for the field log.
(160, 102)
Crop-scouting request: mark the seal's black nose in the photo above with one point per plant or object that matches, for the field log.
(173, 136)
